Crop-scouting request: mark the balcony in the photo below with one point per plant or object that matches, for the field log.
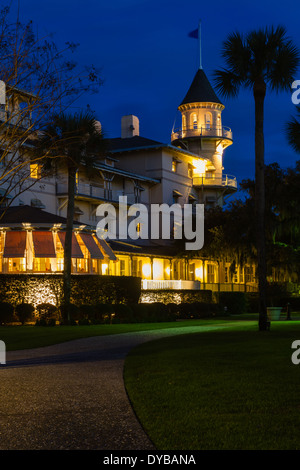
(212, 132)
(88, 192)
(226, 181)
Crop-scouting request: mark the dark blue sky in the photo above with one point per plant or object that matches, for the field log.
(148, 62)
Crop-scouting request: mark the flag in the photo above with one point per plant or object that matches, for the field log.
(193, 34)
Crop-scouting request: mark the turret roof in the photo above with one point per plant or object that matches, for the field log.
(200, 90)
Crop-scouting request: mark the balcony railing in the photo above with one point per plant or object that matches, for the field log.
(225, 181)
(201, 131)
(173, 284)
(89, 191)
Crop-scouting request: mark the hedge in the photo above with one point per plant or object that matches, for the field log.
(86, 289)
(167, 296)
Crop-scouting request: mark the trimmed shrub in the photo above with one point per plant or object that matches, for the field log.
(86, 312)
(234, 302)
(6, 313)
(152, 312)
(196, 310)
(24, 312)
(47, 314)
(102, 313)
(123, 314)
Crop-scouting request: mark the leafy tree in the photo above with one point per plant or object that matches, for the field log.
(262, 59)
(37, 80)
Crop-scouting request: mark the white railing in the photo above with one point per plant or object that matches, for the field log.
(97, 192)
(82, 189)
(225, 180)
(172, 285)
(201, 131)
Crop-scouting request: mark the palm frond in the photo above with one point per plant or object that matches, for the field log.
(227, 83)
(292, 131)
(236, 54)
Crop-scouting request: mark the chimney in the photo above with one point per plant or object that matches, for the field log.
(130, 126)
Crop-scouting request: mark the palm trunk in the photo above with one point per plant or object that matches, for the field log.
(68, 245)
(259, 91)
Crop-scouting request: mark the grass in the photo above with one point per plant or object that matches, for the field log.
(224, 390)
(27, 337)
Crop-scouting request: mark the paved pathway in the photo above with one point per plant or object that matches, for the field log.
(71, 396)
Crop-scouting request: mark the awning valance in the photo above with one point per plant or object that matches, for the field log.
(107, 249)
(76, 251)
(15, 244)
(91, 245)
(43, 245)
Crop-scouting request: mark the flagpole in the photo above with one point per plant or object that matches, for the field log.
(200, 49)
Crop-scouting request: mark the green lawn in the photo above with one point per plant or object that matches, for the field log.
(233, 389)
(26, 337)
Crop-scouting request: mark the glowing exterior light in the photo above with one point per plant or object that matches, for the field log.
(146, 270)
(199, 273)
(199, 167)
(104, 268)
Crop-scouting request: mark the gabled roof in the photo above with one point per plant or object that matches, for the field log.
(200, 91)
(30, 215)
(129, 143)
(119, 145)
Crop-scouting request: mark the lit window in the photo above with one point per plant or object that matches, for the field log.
(195, 122)
(208, 119)
(35, 170)
(174, 166)
(210, 273)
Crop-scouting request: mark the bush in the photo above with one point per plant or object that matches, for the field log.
(152, 312)
(234, 302)
(86, 312)
(6, 313)
(47, 314)
(102, 313)
(123, 314)
(24, 312)
(195, 310)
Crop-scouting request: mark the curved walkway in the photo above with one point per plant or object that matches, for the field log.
(71, 396)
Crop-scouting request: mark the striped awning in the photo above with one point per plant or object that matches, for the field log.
(91, 245)
(43, 245)
(76, 251)
(15, 244)
(107, 249)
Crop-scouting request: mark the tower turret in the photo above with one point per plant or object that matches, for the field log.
(201, 130)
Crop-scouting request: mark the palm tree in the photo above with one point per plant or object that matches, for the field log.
(262, 59)
(293, 132)
(71, 141)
